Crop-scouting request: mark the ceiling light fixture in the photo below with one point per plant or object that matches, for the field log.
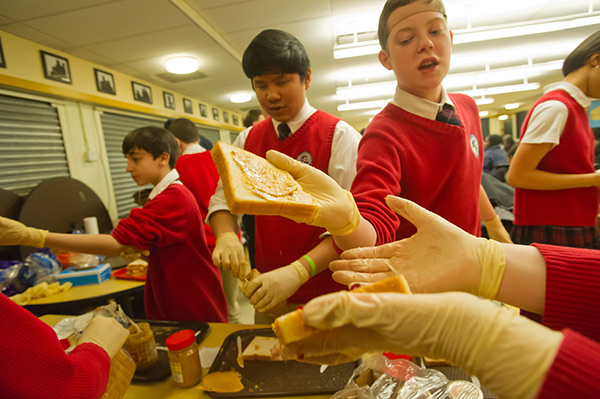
(182, 65)
(483, 114)
(363, 105)
(241, 97)
(484, 101)
(503, 117)
(512, 106)
(489, 91)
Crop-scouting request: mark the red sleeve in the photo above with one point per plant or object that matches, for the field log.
(34, 365)
(572, 289)
(161, 222)
(573, 373)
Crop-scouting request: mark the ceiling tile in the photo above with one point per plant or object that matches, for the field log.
(23, 10)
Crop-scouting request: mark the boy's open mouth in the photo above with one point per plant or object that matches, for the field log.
(428, 64)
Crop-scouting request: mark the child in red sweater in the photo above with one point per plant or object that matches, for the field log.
(182, 283)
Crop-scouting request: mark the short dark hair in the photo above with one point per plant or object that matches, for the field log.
(154, 140)
(275, 51)
(495, 139)
(185, 130)
(383, 31)
(251, 117)
(582, 53)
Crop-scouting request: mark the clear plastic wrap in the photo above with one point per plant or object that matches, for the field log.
(378, 377)
(9, 277)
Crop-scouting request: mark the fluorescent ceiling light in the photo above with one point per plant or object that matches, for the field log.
(371, 71)
(182, 65)
(363, 105)
(241, 97)
(501, 89)
(483, 34)
(356, 50)
(484, 101)
(384, 89)
(483, 114)
(503, 117)
(512, 106)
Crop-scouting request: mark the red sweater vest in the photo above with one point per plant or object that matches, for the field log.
(280, 241)
(573, 155)
(199, 174)
(435, 164)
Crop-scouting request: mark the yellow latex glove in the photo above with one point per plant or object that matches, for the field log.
(272, 288)
(508, 353)
(107, 333)
(439, 257)
(496, 230)
(229, 254)
(132, 253)
(338, 213)
(16, 233)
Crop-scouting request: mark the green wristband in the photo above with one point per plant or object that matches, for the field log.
(313, 268)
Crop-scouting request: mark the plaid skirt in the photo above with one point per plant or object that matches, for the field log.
(566, 236)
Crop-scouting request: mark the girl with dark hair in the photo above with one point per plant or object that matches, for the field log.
(556, 187)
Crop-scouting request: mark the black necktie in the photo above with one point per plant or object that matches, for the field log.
(448, 115)
(284, 131)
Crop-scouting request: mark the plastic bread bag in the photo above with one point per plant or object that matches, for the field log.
(378, 377)
(122, 368)
(41, 266)
(9, 277)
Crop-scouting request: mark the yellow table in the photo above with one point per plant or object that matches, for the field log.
(79, 299)
(165, 389)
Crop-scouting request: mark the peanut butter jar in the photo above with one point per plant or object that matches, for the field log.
(184, 360)
(142, 346)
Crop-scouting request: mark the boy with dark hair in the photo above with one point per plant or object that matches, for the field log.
(287, 254)
(189, 135)
(181, 284)
(426, 145)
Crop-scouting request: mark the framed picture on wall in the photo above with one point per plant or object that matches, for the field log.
(215, 113)
(169, 100)
(225, 116)
(56, 67)
(141, 92)
(187, 106)
(203, 111)
(2, 61)
(105, 81)
(235, 120)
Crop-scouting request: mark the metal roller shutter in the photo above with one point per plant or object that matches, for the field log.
(211, 134)
(115, 128)
(31, 144)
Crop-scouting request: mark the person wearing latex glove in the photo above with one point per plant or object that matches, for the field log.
(270, 289)
(106, 332)
(491, 220)
(442, 257)
(508, 353)
(16, 233)
(229, 254)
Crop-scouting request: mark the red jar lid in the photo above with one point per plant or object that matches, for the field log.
(181, 339)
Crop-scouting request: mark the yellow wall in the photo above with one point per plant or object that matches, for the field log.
(24, 72)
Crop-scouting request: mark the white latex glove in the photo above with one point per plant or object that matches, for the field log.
(496, 230)
(272, 288)
(107, 333)
(338, 213)
(509, 353)
(229, 254)
(439, 257)
(16, 233)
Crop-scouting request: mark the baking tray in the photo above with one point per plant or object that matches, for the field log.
(162, 330)
(277, 378)
(122, 274)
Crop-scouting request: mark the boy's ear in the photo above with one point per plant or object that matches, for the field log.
(307, 79)
(164, 158)
(384, 59)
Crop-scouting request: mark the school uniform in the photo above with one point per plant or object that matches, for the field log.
(406, 152)
(182, 283)
(562, 217)
(323, 141)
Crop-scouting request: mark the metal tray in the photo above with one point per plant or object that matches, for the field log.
(162, 330)
(277, 378)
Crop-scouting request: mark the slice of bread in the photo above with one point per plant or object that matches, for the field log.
(260, 348)
(254, 186)
(291, 327)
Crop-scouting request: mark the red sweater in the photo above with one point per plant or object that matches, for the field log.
(199, 174)
(34, 365)
(182, 282)
(572, 302)
(280, 241)
(573, 155)
(432, 163)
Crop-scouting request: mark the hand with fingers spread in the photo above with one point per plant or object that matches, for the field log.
(229, 254)
(509, 353)
(439, 257)
(338, 213)
(272, 288)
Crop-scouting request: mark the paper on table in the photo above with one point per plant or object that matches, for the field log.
(207, 356)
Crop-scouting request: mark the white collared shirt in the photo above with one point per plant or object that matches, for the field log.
(342, 164)
(194, 148)
(548, 119)
(166, 181)
(419, 105)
